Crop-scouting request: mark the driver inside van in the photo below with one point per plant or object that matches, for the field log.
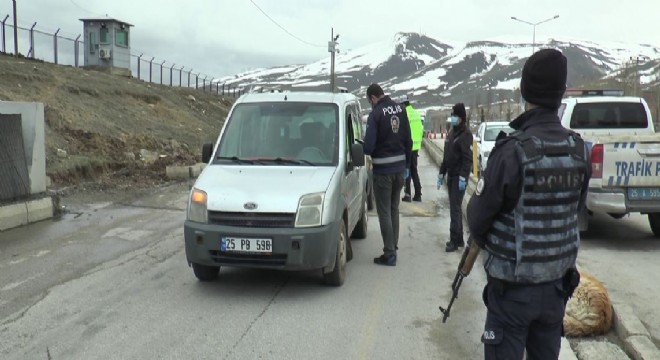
(314, 142)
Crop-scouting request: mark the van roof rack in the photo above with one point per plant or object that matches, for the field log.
(593, 92)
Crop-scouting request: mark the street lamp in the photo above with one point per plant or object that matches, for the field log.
(534, 27)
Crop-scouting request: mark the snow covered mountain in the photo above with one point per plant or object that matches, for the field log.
(434, 72)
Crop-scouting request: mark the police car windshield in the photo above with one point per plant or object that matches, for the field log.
(293, 133)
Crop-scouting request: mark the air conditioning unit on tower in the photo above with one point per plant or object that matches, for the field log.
(104, 54)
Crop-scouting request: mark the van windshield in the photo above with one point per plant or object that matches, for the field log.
(608, 115)
(281, 133)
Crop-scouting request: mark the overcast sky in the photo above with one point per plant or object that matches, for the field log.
(223, 37)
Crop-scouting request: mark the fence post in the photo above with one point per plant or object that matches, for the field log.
(55, 45)
(161, 72)
(171, 71)
(189, 71)
(180, 72)
(4, 44)
(32, 40)
(139, 61)
(223, 89)
(151, 62)
(204, 82)
(76, 48)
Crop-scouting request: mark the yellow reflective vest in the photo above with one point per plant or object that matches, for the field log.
(416, 127)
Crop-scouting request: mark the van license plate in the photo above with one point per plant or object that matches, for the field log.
(233, 244)
(644, 193)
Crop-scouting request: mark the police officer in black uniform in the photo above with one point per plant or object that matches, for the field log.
(388, 141)
(456, 167)
(524, 212)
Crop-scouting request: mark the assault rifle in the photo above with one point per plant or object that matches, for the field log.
(464, 267)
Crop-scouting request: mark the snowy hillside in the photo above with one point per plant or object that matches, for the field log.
(435, 72)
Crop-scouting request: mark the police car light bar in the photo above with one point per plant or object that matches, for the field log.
(580, 92)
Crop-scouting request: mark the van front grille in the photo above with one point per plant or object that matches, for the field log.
(255, 220)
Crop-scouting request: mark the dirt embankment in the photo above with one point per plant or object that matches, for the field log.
(117, 132)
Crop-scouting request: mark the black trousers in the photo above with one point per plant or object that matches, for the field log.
(414, 176)
(387, 191)
(523, 317)
(455, 210)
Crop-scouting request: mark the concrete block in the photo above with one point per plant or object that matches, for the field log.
(197, 169)
(566, 352)
(626, 323)
(40, 209)
(600, 350)
(13, 215)
(178, 172)
(641, 348)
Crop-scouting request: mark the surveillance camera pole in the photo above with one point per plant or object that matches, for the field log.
(332, 49)
(15, 30)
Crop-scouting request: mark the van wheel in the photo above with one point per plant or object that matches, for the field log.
(360, 231)
(654, 221)
(205, 273)
(338, 274)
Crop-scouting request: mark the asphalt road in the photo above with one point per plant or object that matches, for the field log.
(110, 281)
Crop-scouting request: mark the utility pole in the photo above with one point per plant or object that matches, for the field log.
(332, 49)
(15, 31)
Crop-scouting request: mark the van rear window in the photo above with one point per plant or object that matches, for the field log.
(617, 115)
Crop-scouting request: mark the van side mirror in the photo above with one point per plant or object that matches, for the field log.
(207, 152)
(357, 154)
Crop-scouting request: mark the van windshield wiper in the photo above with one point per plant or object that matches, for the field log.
(235, 159)
(281, 160)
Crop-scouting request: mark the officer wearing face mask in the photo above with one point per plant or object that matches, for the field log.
(455, 170)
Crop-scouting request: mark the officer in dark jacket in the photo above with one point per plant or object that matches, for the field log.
(456, 167)
(388, 141)
(524, 213)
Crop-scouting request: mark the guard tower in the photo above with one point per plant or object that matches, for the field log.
(107, 45)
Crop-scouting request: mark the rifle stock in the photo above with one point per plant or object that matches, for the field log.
(468, 259)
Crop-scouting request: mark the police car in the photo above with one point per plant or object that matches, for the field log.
(625, 153)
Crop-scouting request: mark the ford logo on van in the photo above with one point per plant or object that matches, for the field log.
(250, 206)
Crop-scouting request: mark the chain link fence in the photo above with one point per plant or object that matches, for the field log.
(60, 49)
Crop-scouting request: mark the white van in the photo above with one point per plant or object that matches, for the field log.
(284, 187)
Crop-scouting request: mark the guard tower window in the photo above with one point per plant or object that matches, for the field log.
(121, 37)
(103, 37)
(92, 42)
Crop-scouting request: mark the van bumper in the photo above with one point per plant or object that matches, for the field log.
(293, 248)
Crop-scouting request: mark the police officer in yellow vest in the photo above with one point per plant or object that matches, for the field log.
(417, 133)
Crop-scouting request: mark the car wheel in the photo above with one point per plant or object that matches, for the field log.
(360, 231)
(338, 274)
(654, 221)
(205, 273)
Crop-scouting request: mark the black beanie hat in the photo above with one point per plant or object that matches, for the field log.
(459, 110)
(374, 90)
(544, 78)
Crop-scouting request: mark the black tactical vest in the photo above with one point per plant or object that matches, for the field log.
(538, 241)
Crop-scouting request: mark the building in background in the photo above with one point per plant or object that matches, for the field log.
(107, 45)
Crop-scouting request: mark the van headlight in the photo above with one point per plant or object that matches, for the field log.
(310, 210)
(197, 206)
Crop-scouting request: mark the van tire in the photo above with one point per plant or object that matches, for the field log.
(654, 221)
(360, 231)
(338, 274)
(205, 273)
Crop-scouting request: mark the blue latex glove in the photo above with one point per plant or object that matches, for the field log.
(441, 180)
(462, 183)
(406, 173)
